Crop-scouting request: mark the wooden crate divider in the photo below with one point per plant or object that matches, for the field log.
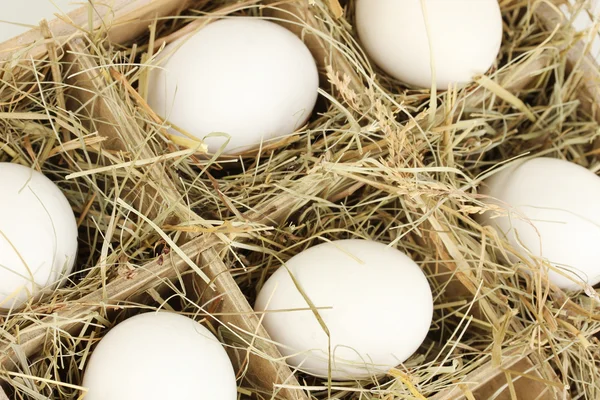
(517, 372)
(124, 19)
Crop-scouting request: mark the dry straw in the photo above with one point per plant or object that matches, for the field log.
(377, 160)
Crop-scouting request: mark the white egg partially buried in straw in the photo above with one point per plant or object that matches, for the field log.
(401, 36)
(38, 234)
(17, 17)
(158, 356)
(246, 77)
(550, 210)
(374, 300)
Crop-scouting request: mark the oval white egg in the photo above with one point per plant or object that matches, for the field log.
(464, 37)
(38, 234)
(246, 77)
(375, 301)
(156, 356)
(551, 210)
(18, 17)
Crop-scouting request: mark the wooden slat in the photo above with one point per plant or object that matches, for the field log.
(301, 14)
(489, 380)
(124, 19)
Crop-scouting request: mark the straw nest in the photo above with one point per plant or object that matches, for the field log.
(377, 160)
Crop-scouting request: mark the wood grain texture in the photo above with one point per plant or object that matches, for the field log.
(296, 15)
(488, 381)
(123, 19)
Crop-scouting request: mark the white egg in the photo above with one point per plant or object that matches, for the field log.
(464, 37)
(157, 356)
(19, 16)
(38, 234)
(551, 210)
(246, 77)
(375, 301)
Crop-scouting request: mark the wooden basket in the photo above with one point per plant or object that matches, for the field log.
(127, 21)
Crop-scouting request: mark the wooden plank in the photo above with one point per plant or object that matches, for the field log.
(527, 379)
(297, 15)
(123, 19)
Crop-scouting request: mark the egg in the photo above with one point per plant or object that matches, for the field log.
(19, 16)
(463, 36)
(157, 356)
(246, 77)
(38, 235)
(374, 300)
(549, 209)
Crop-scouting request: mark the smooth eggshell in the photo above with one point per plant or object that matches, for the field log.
(465, 36)
(38, 234)
(19, 16)
(379, 308)
(246, 77)
(553, 212)
(157, 356)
